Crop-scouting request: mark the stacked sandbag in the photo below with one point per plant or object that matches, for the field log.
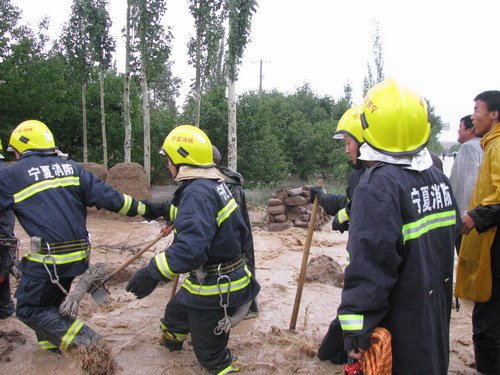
(128, 178)
(290, 207)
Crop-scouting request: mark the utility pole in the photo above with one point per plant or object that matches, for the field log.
(260, 76)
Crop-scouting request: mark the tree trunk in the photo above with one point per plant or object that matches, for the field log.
(146, 120)
(232, 144)
(84, 121)
(198, 80)
(127, 123)
(103, 122)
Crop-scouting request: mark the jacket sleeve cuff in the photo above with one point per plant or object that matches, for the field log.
(357, 342)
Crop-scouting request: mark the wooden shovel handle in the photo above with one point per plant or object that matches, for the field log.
(305, 256)
(138, 255)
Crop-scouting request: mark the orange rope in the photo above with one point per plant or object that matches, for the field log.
(377, 360)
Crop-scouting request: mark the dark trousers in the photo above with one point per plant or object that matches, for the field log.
(211, 350)
(38, 304)
(458, 243)
(6, 303)
(486, 332)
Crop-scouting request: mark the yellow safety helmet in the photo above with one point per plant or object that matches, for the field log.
(188, 145)
(350, 124)
(31, 135)
(1, 150)
(395, 119)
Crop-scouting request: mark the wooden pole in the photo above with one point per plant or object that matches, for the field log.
(305, 256)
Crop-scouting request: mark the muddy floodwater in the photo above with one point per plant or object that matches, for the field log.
(263, 345)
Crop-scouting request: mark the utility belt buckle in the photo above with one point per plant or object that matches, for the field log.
(9, 242)
(224, 268)
(35, 245)
(200, 275)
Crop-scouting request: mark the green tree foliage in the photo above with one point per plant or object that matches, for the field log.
(165, 90)
(279, 134)
(240, 20)
(204, 49)
(151, 39)
(8, 26)
(152, 47)
(436, 127)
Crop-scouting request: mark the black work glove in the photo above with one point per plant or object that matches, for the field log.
(332, 347)
(341, 220)
(142, 283)
(355, 342)
(154, 210)
(316, 191)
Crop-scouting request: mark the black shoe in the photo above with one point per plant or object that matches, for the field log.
(173, 346)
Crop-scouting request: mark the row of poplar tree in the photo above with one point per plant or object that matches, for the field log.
(98, 114)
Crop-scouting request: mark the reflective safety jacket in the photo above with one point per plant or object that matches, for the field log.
(401, 246)
(49, 196)
(338, 204)
(209, 230)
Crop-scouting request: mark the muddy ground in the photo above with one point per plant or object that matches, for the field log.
(264, 345)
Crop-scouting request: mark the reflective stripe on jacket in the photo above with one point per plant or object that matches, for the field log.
(50, 196)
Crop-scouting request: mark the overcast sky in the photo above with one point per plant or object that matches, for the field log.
(447, 50)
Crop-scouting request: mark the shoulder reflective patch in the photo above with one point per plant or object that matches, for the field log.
(226, 211)
(173, 212)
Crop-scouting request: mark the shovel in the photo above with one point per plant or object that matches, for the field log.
(100, 293)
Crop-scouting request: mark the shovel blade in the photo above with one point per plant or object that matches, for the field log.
(101, 295)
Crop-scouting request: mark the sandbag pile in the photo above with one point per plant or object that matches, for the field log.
(290, 207)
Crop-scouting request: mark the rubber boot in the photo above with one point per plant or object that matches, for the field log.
(487, 358)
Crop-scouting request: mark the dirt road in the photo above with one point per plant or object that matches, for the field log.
(263, 344)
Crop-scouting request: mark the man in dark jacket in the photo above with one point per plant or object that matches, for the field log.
(50, 196)
(8, 256)
(210, 238)
(349, 129)
(404, 221)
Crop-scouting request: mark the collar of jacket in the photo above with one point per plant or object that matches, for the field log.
(492, 134)
(191, 173)
(417, 162)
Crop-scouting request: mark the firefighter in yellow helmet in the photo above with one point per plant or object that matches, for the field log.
(8, 256)
(211, 235)
(403, 225)
(350, 130)
(49, 196)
